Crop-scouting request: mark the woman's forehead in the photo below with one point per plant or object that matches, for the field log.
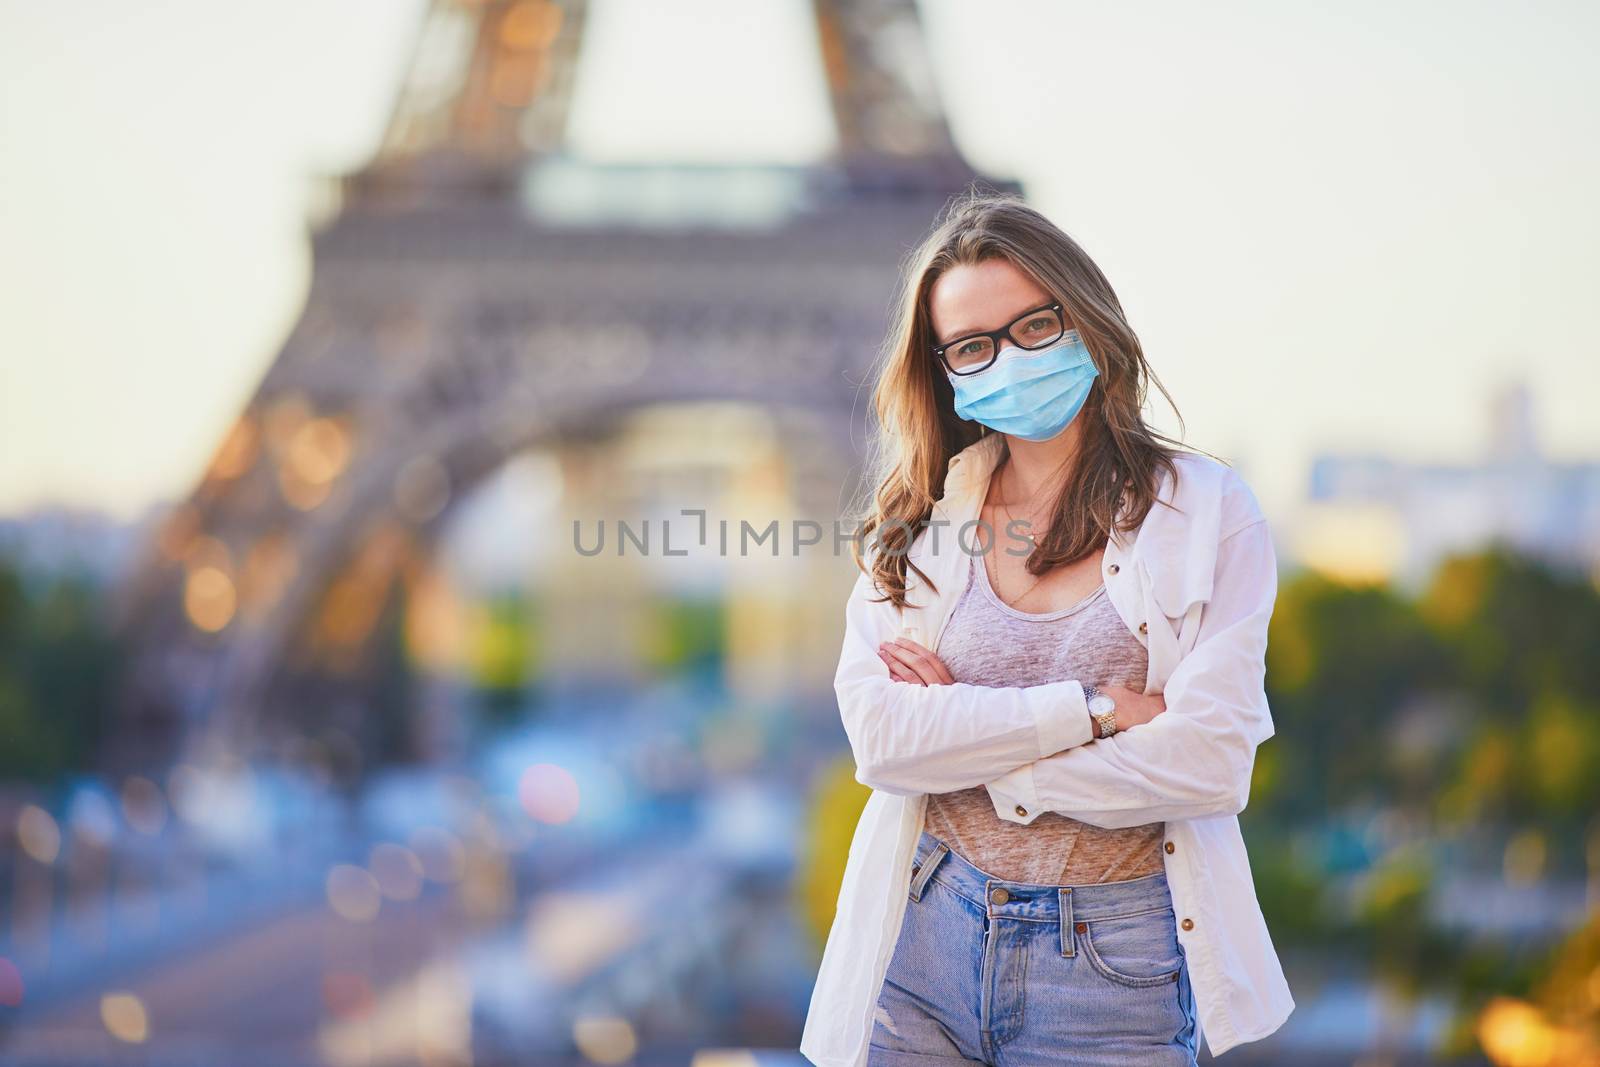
(981, 296)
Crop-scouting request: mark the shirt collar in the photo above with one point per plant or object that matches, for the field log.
(968, 472)
(972, 465)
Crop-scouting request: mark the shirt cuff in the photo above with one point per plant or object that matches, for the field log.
(1014, 795)
(1062, 717)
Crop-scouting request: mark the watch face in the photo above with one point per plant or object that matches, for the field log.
(1101, 704)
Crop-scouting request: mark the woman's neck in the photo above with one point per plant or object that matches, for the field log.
(1032, 470)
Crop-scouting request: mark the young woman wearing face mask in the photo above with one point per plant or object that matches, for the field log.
(1052, 678)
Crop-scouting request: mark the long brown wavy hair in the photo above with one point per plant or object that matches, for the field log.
(918, 430)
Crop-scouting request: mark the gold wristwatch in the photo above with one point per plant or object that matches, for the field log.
(1102, 708)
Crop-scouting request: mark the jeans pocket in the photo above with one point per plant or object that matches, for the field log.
(1135, 950)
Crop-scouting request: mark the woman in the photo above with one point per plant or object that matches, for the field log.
(1060, 725)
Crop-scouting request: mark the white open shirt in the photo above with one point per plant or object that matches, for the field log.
(1197, 589)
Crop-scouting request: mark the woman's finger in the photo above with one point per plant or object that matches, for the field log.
(906, 661)
(910, 662)
(935, 667)
(898, 672)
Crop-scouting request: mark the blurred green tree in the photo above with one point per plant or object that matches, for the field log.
(58, 660)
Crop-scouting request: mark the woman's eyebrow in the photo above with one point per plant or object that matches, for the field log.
(947, 338)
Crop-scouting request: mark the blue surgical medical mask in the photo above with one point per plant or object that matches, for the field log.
(1028, 393)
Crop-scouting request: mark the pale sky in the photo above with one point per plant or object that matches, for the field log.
(1333, 226)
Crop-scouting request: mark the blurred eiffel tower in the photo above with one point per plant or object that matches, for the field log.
(451, 272)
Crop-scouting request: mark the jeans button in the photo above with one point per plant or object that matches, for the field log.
(1000, 896)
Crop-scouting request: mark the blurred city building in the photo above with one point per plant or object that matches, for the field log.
(1373, 517)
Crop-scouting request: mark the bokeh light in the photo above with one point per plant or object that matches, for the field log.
(353, 893)
(549, 793)
(124, 1017)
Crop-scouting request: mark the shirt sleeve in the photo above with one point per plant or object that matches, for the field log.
(908, 738)
(1194, 759)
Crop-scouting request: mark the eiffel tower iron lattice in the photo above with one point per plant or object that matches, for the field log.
(455, 272)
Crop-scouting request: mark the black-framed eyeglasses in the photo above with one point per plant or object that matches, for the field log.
(1037, 328)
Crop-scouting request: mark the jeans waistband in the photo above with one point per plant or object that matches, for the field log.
(1029, 900)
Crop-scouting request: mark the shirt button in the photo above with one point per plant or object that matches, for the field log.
(1171, 847)
(1112, 569)
(1000, 896)
(1021, 810)
(1188, 924)
(1144, 627)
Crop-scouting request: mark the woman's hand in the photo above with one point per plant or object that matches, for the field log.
(910, 662)
(1133, 707)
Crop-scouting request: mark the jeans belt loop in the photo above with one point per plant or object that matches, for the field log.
(940, 851)
(1069, 947)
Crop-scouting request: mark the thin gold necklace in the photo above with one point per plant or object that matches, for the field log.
(1032, 545)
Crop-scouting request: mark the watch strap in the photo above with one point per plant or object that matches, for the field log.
(1106, 721)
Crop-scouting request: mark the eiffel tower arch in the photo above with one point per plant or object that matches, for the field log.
(476, 292)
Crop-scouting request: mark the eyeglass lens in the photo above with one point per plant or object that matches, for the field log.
(1034, 330)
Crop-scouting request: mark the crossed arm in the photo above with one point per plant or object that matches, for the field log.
(1196, 758)
(910, 739)
(1030, 745)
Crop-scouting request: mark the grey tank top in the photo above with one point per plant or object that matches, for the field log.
(988, 642)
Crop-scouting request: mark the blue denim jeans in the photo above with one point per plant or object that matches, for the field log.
(1013, 973)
